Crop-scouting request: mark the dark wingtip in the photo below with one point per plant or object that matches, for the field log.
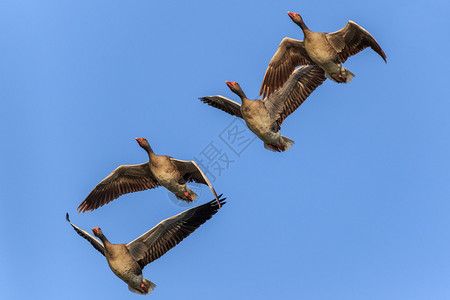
(204, 99)
(381, 53)
(82, 208)
(219, 203)
(67, 217)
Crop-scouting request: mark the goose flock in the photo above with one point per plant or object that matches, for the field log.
(284, 89)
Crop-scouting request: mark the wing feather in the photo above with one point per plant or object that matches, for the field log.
(294, 92)
(94, 242)
(352, 39)
(168, 233)
(123, 180)
(290, 54)
(223, 103)
(191, 172)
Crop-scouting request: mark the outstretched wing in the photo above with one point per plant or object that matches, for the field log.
(223, 103)
(352, 39)
(290, 54)
(168, 233)
(294, 92)
(94, 242)
(192, 172)
(123, 180)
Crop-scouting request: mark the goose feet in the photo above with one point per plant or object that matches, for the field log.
(144, 288)
(338, 77)
(276, 148)
(280, 147)
(188, 196)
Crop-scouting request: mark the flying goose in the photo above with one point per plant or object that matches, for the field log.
(159, 170)
(264, 117)
(128, 260)
(327, 50)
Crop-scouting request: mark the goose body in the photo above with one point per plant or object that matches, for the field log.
(327, 50)
(124, 266)
(324, 55)
(160, 170)
(265, 116)
(258, 120)
(127, 261)
(167, 174)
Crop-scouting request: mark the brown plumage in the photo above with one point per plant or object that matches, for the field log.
(128, 260)
(160, 170)
(328, 50)
(264, 117)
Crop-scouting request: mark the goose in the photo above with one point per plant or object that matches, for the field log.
(327, 50)
(128, 260)
(264, 117)
(160, 170)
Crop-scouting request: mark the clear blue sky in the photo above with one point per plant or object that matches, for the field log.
(357, 209)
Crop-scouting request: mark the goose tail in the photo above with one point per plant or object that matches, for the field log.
(344, 76)
(284, 144)
(150, 286)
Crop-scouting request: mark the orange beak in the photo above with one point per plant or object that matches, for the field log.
(291, 15)
(230, 83)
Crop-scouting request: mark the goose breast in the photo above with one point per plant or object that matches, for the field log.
(319, 49)
(259, 121)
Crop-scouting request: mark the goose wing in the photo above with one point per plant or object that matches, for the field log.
(290, 54)
(223, 103)
(294, 92)
(191, 172)
(352, 39)
(94, 242)
(168, 233)
(123, 180)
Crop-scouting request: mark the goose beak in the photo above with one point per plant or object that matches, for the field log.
(139, 140)
(230, 83)
(291, 15)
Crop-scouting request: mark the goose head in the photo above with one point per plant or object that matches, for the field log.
(236, 88)
(297, 19)
(97, 231)
(144, 144)
(233, 85)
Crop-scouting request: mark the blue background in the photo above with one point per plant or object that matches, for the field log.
(358, 208)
